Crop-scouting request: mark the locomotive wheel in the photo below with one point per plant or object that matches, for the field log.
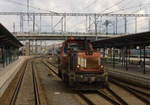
(67, 80)
(106, 84)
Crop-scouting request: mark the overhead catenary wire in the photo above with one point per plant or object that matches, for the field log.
(129, 23)
(142, 7)
(118, 3)
(18, 3)
(89, 5)
(33, 7)
(58, 22)
(123, 9)
(128, 8)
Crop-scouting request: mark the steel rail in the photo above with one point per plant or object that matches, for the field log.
(50, 68)
(89, 102)
(52, 64)
(141, 92)
(36, 93)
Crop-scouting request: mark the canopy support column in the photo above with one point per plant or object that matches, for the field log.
(113, 51)
(3, 56)
(144, 60)
(126, 56)
(140, 54)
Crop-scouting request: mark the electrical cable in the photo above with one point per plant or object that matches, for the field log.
(94, 2)
(118, 3)
(57, 22)
(123, 9)
(18, 3)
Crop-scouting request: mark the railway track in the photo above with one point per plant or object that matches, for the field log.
(14, 97)
(141, 95)
(54, 65)
(111, 96)
(86, 99)
(18, 87)
(51, 67)
(101, 93)
(113, 99)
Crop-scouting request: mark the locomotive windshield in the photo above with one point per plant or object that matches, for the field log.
(75, 46)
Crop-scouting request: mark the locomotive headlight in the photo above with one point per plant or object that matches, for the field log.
(102, 67)
(81, 76)
(78, 66)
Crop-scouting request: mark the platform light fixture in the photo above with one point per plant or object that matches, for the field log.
(137, 47)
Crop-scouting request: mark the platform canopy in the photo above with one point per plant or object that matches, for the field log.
(131, 40)
(7, 38)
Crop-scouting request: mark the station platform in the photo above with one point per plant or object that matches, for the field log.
(133, 75)
(1, 67)
(8, 73)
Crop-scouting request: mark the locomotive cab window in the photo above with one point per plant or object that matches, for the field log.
(77, 46)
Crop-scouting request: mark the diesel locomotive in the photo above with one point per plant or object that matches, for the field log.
(80, 66)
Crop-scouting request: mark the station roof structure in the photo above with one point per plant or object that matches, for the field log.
(7, 38)
(131, 41)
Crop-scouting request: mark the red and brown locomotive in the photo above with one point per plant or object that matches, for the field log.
(80, 66)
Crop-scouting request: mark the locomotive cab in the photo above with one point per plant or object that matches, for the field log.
(80, 65)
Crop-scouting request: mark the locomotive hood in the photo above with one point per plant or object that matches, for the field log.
(89, 61)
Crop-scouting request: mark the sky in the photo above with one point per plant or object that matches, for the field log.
(81, 6)
(72, 5)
